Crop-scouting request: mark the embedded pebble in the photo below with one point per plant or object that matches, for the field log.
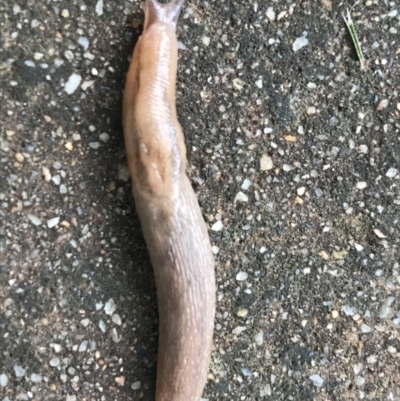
(238, 330)
(19, 371)
(241, 276)
(35, 378)
(65, 13)
(348, 310)
(53, 222)
(73, 83)
(265, 163)
(271, 14)
(246, 184)
(104, 137)
(391, 173)
(54, 362)
(206, 40)
(3, 380)
(136, 385)
(365, 329)
(84, 42)
(46, 174)
(83, 346)
(259, 338)
(56, 179)
(217, 226)
(116, 319)
(361, 185)
(241, 197)
(360, 381)
(94, 145)
(358, 247)
(110, 307)
(99, 7)
(102, 326)
(317, 380)
(63, 189)
(384, 311)
(34, 220)
(300, 42)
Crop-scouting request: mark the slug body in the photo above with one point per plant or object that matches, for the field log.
(170, 216)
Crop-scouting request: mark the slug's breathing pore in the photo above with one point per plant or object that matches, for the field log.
(174, 229)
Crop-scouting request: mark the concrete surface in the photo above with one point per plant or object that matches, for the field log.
(307, 251)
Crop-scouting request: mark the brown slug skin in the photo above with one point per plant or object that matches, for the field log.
(170, 216)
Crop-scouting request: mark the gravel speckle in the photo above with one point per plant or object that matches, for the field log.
(53, 222)
(110, 307)
(241, 276)
(34, 220)
(317, 380)
(19, 371)
(54, 362)
(3, 380)
(73, 83)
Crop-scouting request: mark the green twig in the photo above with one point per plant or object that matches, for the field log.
(354, 38)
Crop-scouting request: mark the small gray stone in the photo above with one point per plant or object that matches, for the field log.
(3, 380)
(19, 371)
(317, 380)
(54, 362)
(36, 378)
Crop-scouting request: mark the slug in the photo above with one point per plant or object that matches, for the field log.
(173, 227)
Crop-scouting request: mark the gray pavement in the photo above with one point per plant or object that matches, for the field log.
(293, 151)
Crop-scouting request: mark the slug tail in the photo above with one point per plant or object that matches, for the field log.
(168, 13)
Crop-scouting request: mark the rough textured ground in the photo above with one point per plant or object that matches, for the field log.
(308, 250)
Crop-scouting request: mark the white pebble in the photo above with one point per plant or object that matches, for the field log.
(104, 137)
(217, 226)
(53, 222)
(94, 145)
(238, 330)
(34, 220)
(35, 23)
(265, 163)
(360, 381)
(102, 326)
(259, 338)
(63, 189)
(357, 368)
(348, 310)
(259, 83)
(30, 63)
(271, 14)
(300, 42)
(365, 329)
(83, 346)
(73, 83)
(54, 362)
(206, 40)
(385, 308)
(110, 307)
(3, 380)
(317, 380)
(241, 276)
(86, 85)
(36, 378)
(56, 179)
(215, 250)
(116, 319)
(99, 7)
(84, 42)
(241, 197)
(301, 191)
(136, 385)
(358, 247)
(19, 371)
(246, 184)
(361, 185)
(391, 173)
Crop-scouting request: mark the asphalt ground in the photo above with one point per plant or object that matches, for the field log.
(293, 151)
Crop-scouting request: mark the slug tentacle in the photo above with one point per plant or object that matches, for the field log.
(168, 13)
(173, 226)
